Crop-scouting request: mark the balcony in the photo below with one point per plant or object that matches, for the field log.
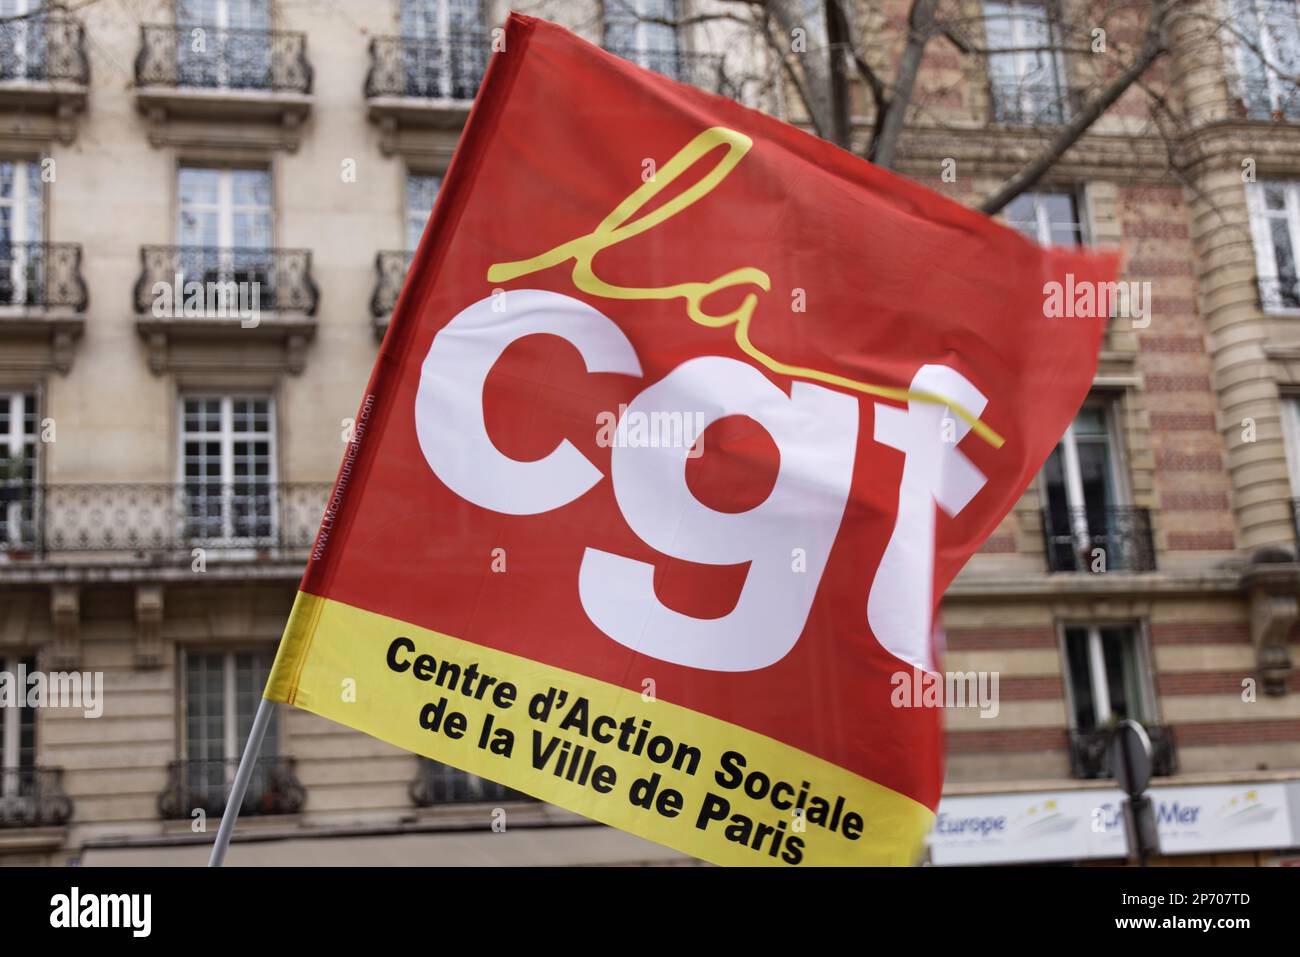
(1090, 752)
(436, 785)
(208, 307)
(242, 75)
(159, 523)
(1122, 534)
(205, 785)
(33, 797)
(43, 303)
(390, 268)
(420, 85)
(43, 71)
(1033, 103)
(708, 71)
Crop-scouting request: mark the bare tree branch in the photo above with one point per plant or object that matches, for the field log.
(792, 76)
(1153, 48)
(920, 21)
(865, 44)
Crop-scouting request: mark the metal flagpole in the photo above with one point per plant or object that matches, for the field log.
(237, 790)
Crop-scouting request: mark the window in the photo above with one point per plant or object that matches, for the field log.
(22, 228)
(17, 741)
(1268, 54)
(1275, 227)
(230, 14)
(228, 470)
(230, 208)
(1050, 218)
(236, 48)
(224, 228)
(22, 39)
(1108, 679)
(445, 48)
(1027, 78)
(439, 19)
(1291, 437)
(17, 469)
(222, 692)
(437, 784)
(632, 32)
(421, 191)
(1087, 522)
(1107, 676)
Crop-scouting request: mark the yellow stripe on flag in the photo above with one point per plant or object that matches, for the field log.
(338, 661)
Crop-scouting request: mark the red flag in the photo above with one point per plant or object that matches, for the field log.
(684, 422)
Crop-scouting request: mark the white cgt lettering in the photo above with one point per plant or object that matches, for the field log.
(815, 430)
(449, 400)
(900, 606)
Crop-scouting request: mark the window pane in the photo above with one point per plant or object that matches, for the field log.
(998, 21)
(1050, 218)
(251, 187)
(1060, 532)
(1269, 55)
(204, 707)
(421, 191)
(1123, 673)
(1063, 219)
(1094, 469)
(1283, 251)
(420, 19)
(630, 32)
(198, 185)
(18, 467)
(1091, 421)
(1026, 80)
(251, 672)
(1079, 675)
(1074, 527)
(26, 718)
(1022, 214)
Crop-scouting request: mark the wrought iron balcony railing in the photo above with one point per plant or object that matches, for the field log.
(33, 797)
(205, 785)
(1033, 103)
(42, 275)
(1122, 533)
(708, 71)
(449, 69)
(229, 278)
(1090, 752)
(390, 269)
(437, 784)
(155, 520)
(1280, 293)
(207, 57)
(44, 48)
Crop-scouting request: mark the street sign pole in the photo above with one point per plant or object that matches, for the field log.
(1130, 760)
